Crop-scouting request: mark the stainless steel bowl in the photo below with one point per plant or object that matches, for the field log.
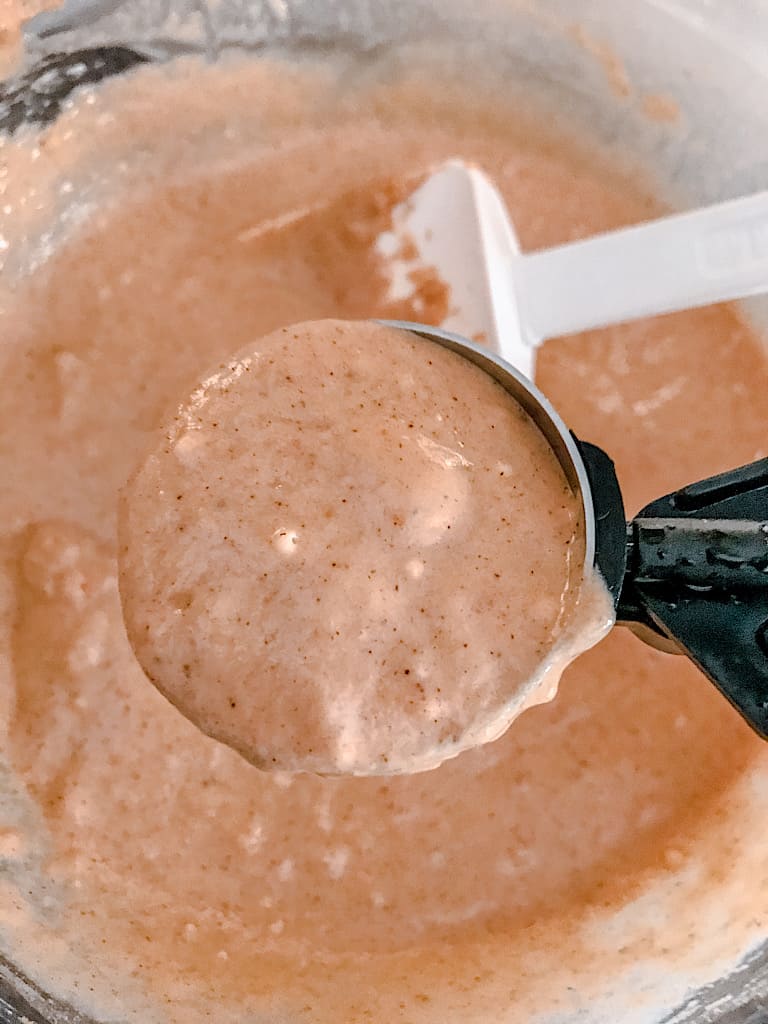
(710, 55)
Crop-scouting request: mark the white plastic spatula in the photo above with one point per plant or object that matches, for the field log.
(458, 224)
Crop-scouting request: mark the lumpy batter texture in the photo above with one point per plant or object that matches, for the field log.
(151, 874)
(351, 551)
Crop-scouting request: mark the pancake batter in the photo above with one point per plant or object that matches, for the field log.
(351, 551)
(610, 843)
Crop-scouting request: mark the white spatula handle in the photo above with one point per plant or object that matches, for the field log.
(714, 254)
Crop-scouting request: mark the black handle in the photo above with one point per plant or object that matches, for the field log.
(697, 575)
(36, 96)
(610, 522)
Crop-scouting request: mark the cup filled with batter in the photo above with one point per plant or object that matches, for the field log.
(351, 551)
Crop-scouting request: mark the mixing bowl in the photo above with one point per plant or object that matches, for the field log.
(672, 85)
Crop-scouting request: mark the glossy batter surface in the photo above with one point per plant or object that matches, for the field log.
(151, 874)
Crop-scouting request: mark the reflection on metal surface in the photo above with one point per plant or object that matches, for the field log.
(742, 998)
(36, 97)
(167, 28)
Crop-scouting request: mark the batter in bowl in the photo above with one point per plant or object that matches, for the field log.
(607, 843)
